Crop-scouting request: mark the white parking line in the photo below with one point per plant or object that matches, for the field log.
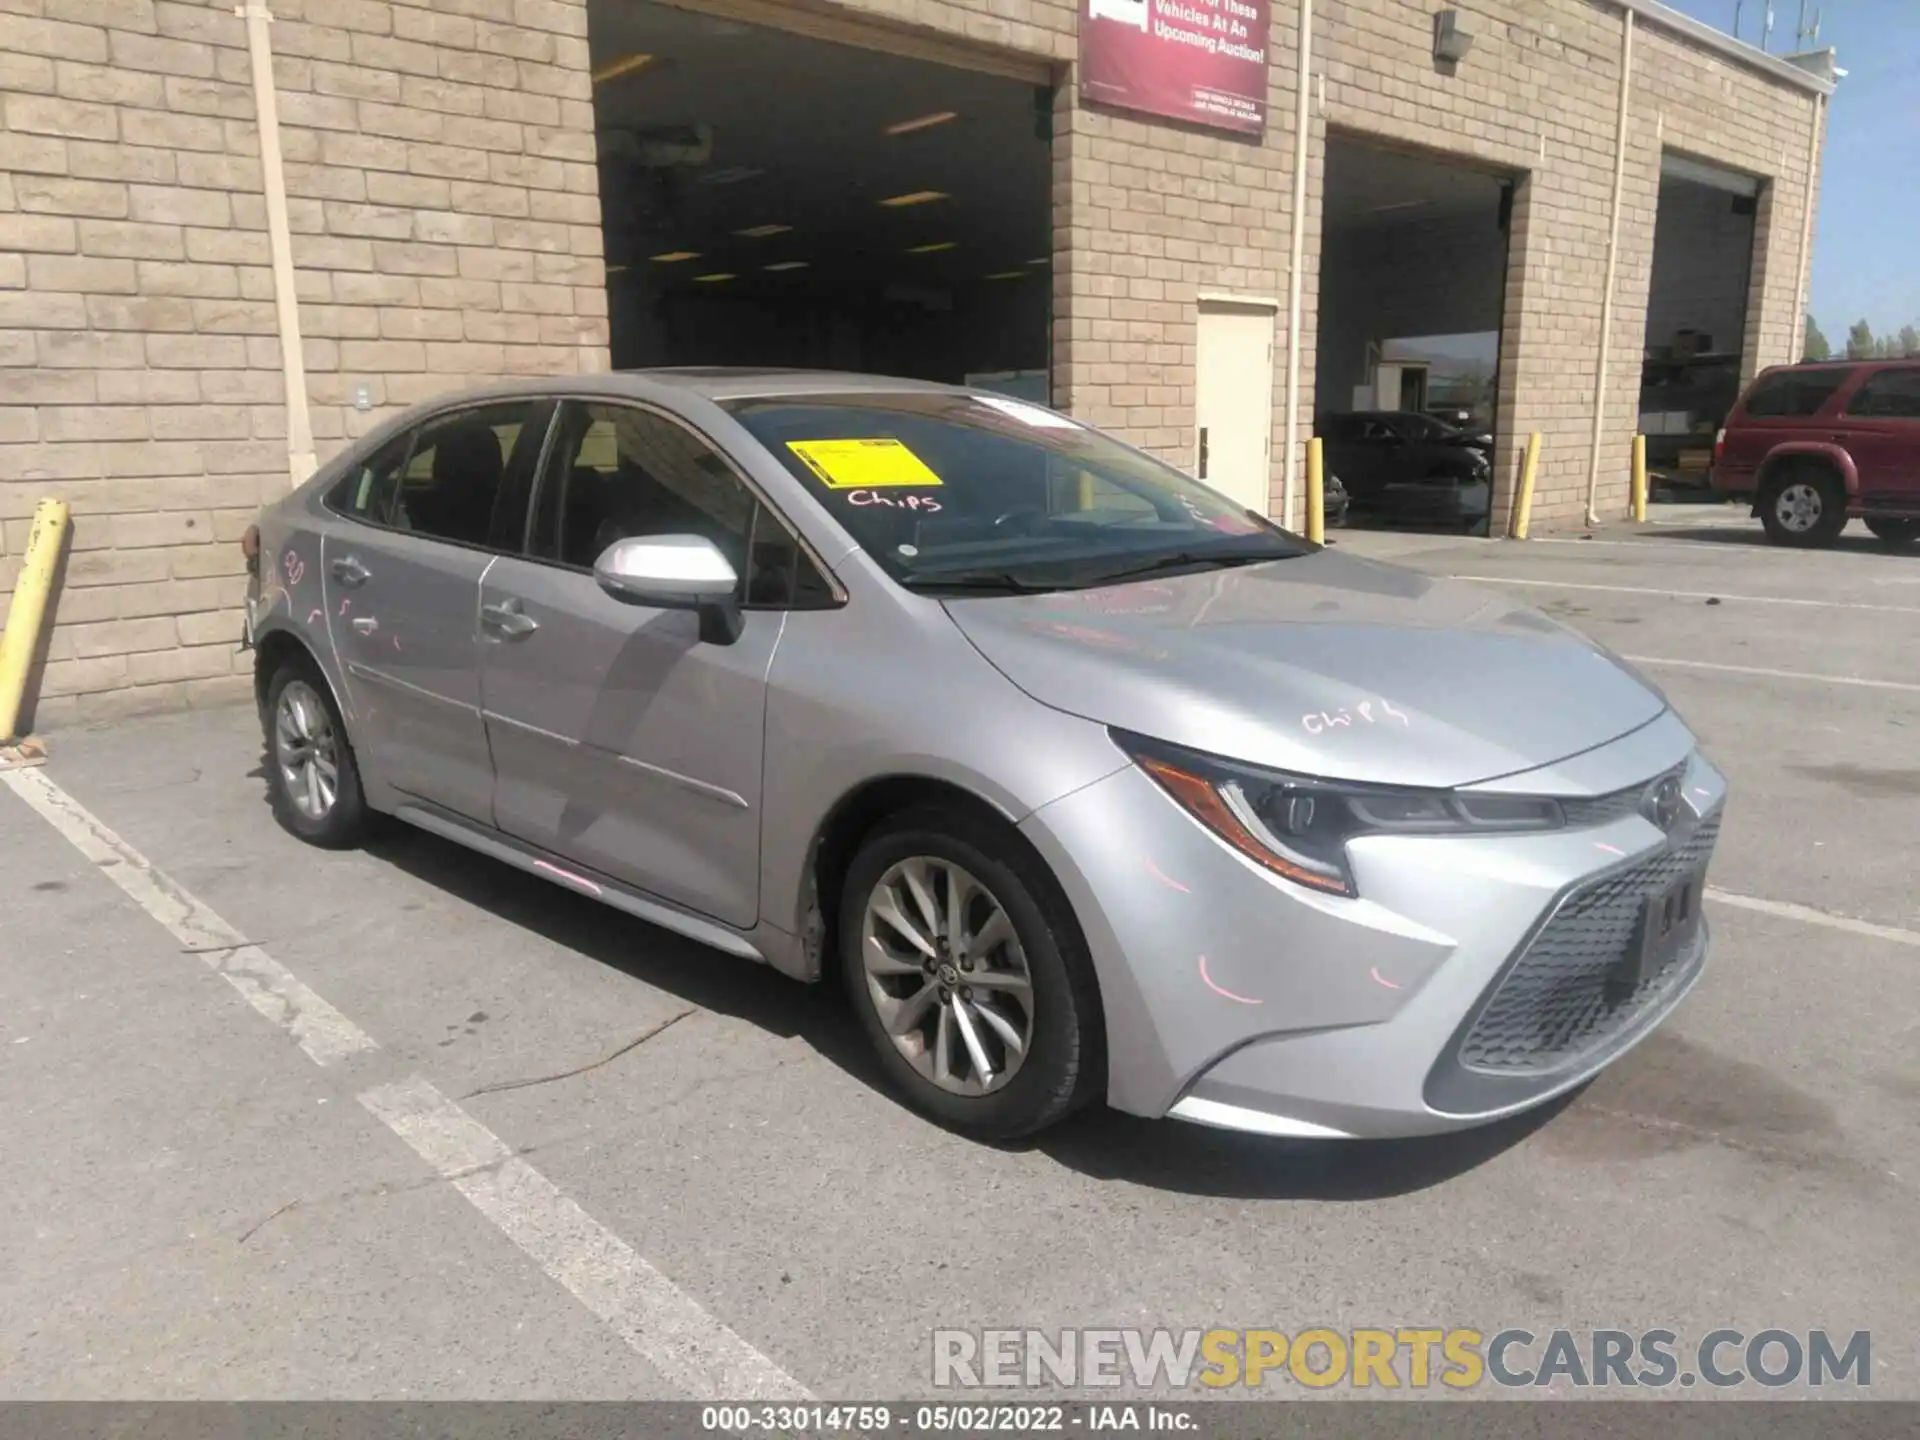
(604, 1273)
(1807, 915)
(322, 1031)
(1670, 546)
(1773, 674)
(647, 1310)
(1688, 594)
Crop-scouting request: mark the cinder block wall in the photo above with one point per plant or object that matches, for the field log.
(444, 205)
(446, 230)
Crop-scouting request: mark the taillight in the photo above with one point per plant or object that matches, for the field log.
(1719, 444)
(250, 547)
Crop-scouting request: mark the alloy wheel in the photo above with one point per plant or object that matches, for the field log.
(306, 750)
(947, 975)
(1797, 507)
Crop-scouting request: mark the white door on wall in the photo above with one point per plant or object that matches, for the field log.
(1233, 409)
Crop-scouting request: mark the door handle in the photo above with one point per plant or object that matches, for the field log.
(366, 624)
(1203, 454)
(506, 619)
(349, 571)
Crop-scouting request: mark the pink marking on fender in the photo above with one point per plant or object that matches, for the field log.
(313, 615)
(567, 875)
(345, 601)
(1225, 994)
(1610, 849)
(1381, 979)
(1164, 878)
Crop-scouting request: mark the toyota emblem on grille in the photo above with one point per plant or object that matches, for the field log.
(1662, 803)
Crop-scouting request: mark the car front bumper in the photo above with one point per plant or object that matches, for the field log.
(1474, 977)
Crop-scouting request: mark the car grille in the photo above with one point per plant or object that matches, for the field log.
(1591, 814)
(1559, 1000)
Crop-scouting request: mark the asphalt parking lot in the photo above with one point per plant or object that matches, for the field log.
(489, 1191)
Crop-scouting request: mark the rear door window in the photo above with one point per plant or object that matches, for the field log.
(1888, 395)
(462, 476)
(455, 480)
(1790, 394)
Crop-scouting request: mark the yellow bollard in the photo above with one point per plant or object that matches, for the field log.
(1523, 502)
(28, 608)
(1639, 479)
(1316, 493)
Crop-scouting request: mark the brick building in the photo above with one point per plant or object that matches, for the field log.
(450, 171)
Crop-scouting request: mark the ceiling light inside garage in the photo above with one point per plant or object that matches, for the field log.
(923, 122)
(1398, 205)
(786, 265)
(1041, 260)
(732, 175)
(1009, 275)
(674, 257)
(934, 248)
(715, 278)
(913, 197)
(625, 65)
(760, 232)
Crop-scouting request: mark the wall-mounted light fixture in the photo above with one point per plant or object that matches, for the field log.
(1450, 42)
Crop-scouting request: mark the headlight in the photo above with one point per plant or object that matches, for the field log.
(1298, 827)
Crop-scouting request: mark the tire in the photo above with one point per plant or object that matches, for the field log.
(1061, 1064)
(299, 700)
(1803, 506)
(1895, 534)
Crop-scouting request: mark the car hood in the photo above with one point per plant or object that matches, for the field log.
(1323, 665)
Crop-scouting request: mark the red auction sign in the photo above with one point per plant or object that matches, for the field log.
(1199, 60)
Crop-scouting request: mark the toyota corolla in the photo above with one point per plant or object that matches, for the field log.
(1084, 782)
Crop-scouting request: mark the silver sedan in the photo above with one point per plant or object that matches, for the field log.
(1084, 782)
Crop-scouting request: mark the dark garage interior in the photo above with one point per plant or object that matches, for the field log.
(1696, 314)
(1412, 290)
(776, 199)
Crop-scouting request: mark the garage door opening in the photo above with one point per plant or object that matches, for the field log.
(772, 198)
(1412, 287)
(1703, 242)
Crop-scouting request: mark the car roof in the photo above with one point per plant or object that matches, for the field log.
(709, 383)
(726, 382)
(1896, 362)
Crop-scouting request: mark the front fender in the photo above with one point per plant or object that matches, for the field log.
(1821, 450)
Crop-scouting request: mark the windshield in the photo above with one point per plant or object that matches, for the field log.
(978, 492)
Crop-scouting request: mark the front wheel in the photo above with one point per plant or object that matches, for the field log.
(971, 982)
(1895, 534)
(1804, 508)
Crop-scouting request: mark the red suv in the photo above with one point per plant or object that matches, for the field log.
(1815, 445)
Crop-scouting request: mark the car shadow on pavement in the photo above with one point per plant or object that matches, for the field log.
(1101, 1143)
(682, 968)
(1197, 1160)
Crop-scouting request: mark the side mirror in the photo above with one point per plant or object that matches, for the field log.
(675, 572)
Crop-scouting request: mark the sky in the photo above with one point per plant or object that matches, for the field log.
(1866, 264)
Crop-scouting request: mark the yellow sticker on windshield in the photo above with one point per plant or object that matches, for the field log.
(863, 464)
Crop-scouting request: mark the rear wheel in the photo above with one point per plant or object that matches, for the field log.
(313, 783)
(1895, 534)
(970, 979)
(1803, 506)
